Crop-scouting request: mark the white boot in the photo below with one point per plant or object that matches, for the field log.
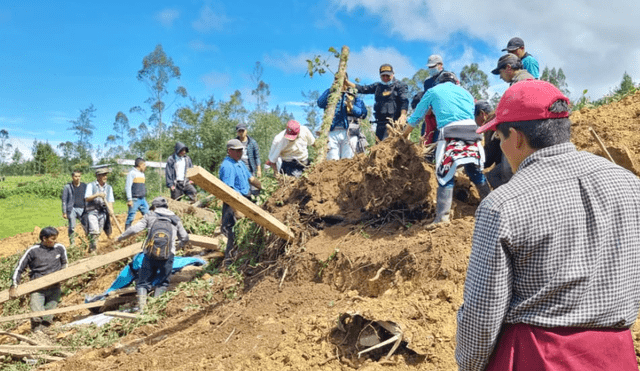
(443, 208)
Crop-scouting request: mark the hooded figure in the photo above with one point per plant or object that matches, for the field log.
(176, 173)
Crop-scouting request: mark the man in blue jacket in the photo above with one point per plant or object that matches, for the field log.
(234, 173)
(345, 128)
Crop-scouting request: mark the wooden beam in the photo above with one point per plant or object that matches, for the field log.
(74, 270)
(206, 215)
(238, 202)
(114, 313)
(209, 243)
(95, 304)
(14, 348)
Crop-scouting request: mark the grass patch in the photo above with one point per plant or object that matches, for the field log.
(26, 211)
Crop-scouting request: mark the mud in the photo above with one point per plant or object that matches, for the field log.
(367, 253)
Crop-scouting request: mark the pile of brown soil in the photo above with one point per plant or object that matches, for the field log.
(392, 177)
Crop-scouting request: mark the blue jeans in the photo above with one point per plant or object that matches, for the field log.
(153, 270)
(73, 217)
(138, 204)
(473, 172)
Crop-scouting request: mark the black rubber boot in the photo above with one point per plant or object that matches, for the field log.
(483, 190)
(443, 208)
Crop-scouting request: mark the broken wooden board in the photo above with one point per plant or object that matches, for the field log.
(95, 304)
(228, 195)
(74, 270)
(206, 215)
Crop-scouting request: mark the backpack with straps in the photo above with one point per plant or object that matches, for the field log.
(160, 237)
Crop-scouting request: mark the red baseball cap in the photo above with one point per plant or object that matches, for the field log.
(524, 101)
(293, 129)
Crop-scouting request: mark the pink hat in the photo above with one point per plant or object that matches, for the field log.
(524, 101)
(293, 129)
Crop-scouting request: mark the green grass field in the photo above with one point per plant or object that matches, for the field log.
(22, 212)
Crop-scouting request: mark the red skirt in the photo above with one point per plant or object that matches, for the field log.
(526, 347)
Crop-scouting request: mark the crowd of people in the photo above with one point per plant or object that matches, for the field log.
(553, 280)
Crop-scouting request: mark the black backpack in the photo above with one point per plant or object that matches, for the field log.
(160, 236)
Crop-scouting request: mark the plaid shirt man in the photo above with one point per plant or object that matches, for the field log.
(558, 245)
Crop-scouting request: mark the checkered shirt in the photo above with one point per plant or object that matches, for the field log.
(558, 245)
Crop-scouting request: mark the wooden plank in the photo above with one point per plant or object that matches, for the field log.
(95, 304)
(209, 243)
(215, 186)
(74, 270)
(20, 355)
(14, 348)
(206, 215)
(114, 313)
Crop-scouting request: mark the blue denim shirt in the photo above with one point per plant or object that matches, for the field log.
(235, 174)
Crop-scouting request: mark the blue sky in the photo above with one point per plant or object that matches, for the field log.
(58, 57)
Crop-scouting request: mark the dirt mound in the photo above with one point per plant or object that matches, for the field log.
(617, 125)
(392, 177)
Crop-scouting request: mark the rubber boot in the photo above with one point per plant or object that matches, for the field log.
(93, 243)
(483, 190)
(443, 208)
(141, 294)
(159, 291)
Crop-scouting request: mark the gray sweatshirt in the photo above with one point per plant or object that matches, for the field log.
(148, 220)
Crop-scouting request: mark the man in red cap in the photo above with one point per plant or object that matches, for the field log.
(553, 281)
(290, 145)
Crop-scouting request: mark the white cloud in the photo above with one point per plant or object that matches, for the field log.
(201, 46)
(210, 20)
(593, 42)
(166, 17)
(215, 79)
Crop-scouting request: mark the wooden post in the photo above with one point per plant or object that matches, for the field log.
(228, 195)
(601, 144)
(332, 102)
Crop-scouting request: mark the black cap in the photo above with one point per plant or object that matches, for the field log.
(507, 59)
(513, 44)
(446, 76)
(482, 106)
(386, 69)
(241, 126)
